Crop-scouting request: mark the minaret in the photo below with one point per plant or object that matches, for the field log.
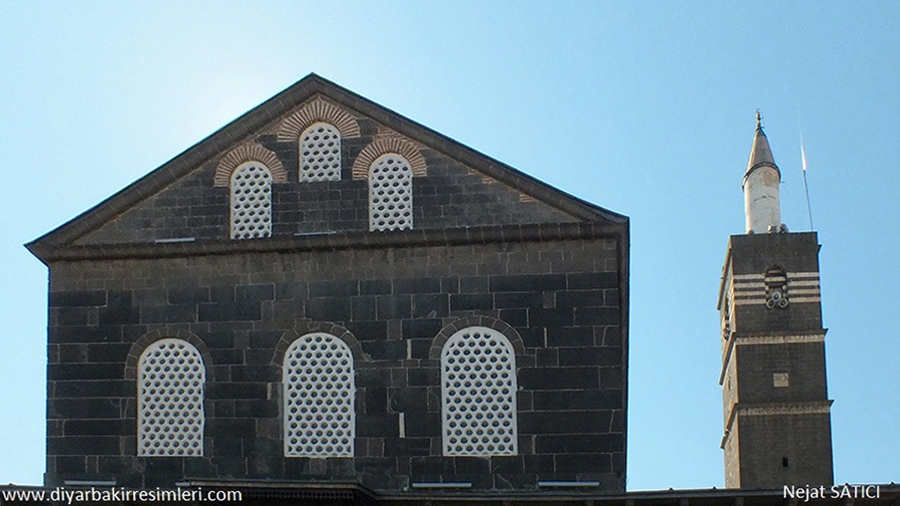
(776, 407)
(762, 205)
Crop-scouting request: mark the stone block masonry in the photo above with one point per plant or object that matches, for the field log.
(449, 194)
(561, 301)
(775, 396)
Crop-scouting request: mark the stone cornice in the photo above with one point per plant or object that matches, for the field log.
(334, 242)
(775, 409)
(760, 338)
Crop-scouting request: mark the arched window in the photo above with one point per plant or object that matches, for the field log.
(170, 400)
(390, 193)
(320, 153)
(478, 387)
(251, 201)
(776, 288)
(319, 391)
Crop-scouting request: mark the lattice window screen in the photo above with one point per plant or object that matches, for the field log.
(319, 391)
(478, 386)
(251, 201)
(170, 400)
(320, 153)
(390, 193)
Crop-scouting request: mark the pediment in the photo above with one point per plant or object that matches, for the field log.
(318, 160)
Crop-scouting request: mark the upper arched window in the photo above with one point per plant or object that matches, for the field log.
(776, 283)
(170, 400)
(251, 201)
(478, 390)
(319, 391)
(390, 193)
(320, 153)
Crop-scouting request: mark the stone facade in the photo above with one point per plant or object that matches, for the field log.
(449, 196)
(491, 248)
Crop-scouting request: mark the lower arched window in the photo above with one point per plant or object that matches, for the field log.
(171, 377)
(251, 201)
(478, 389)
(390, 193)
(319, 391)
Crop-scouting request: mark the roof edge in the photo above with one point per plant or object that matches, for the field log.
(480, 161)
(175, 168)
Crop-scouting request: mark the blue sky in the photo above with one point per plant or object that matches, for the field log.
(645, 108)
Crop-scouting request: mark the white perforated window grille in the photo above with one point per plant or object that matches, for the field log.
(320, 153)
(390, 193)
(319, 392)
(170, 400)
(251, 201)
(478, 386)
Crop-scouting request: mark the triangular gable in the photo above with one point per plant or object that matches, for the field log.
(138, 213)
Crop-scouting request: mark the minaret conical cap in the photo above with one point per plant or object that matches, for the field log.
(760, 153)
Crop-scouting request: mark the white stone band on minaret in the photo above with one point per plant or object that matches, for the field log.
(762, 205)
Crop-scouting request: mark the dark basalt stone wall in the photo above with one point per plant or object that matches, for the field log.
(559, 302)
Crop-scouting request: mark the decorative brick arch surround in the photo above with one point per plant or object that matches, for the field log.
(313, 112)
(134, 353)
(386, 145)
(437, 345)
(245, 153)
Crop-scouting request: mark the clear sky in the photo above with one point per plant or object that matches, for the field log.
(645, 108)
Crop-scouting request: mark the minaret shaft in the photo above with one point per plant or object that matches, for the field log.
(762, 202)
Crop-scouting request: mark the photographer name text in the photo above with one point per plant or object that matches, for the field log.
(845, 491)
